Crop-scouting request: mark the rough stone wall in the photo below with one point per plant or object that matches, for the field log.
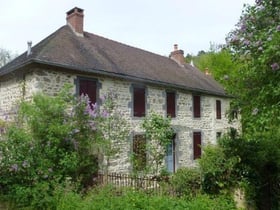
(51, 82)
(10, 95)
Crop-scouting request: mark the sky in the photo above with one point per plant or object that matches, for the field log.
(152, 25)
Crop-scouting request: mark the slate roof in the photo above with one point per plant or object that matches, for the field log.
(95, 54)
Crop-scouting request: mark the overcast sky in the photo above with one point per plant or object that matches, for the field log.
(153, 25)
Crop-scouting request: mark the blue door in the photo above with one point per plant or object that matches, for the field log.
(170, 156)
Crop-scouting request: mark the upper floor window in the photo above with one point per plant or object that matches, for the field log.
(87, 87)
(196, 106)
(171, 104)
(196, 145)
(139, 153)
(218, 109)
(139, 101)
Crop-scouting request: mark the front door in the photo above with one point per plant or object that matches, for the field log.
(170, 156)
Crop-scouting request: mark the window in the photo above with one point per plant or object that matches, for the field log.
(139, 153)
(196, 106)
(171, 104)
(218, 135)
(196, 145)
(88, 87)
(139, 102)
(218, 109)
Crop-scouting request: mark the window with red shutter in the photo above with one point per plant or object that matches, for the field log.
(139, 102)
(88, 87)
(218, 109)
(196, 106)
(196, 145)
(139, 153)
(171, 104)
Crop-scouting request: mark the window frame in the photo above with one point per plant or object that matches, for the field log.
(197, 143)
(137, 154)
(218, 109)
(136, 105)
(91, 80)
(196, 106)
(172, 113)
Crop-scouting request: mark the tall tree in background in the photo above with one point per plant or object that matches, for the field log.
(218, 61)
(5, 57)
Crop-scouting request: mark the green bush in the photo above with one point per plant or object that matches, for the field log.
(186, 181)
(55, 140)
(127, 199)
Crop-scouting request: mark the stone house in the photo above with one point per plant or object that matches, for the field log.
(144, 82)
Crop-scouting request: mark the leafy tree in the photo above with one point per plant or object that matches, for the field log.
(255, 44)
(218, 61)
(5, 57)
(55, 140)
(159, 133)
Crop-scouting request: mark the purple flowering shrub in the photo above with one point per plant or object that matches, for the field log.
(255, 44)
(55, 140)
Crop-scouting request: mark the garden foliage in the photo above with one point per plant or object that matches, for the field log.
(55, 141)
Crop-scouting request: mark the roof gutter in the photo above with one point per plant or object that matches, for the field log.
(106, 73)
(130, 77)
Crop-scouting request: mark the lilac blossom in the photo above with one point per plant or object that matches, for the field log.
(235, 38)
(274, 66)
(246, 42)
(278, 28)
(105, 114)
(14, 167)
(260, 49)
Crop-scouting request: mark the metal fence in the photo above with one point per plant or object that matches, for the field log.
(151, 184)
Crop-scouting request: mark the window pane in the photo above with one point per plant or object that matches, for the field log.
(196, 145)
(196, 106)
(139, 153)
(88, 87)
(139, 102)
(170, 104)
(218, 109)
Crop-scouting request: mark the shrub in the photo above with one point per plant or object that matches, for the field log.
(186, 181)
(54, 140)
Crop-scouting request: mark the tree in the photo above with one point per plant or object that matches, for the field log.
(255, 44)
(220, 65)
(5, 57)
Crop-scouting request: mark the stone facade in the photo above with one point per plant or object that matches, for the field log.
(14, 89)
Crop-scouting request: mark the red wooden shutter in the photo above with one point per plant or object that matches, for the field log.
(170, 104)
(196, 145)
(196, 106)
(218, 109)
(88, 87)
(139, 101)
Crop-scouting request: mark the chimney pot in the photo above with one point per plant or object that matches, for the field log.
(29, 45)
(177, 55)
(75, 19)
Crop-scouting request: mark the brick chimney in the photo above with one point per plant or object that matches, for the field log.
(75, 19)
(177, 55)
